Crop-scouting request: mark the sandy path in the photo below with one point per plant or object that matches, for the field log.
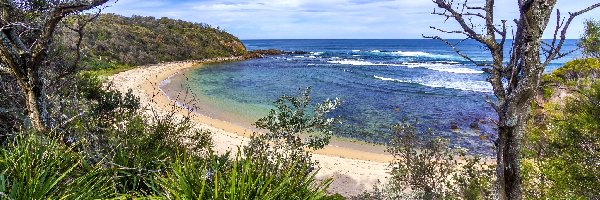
(354, 170)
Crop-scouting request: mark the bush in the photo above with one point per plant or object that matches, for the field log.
(33, 167)
(242, 178)
(292, 129)
(425, 167)
(590, 42)
(561, 154)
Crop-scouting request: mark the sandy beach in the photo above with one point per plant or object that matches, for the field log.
(355, 167)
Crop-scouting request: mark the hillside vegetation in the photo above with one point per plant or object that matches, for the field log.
(137, 40)
(561, 153)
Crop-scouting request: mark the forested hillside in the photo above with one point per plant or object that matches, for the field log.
(141, 40)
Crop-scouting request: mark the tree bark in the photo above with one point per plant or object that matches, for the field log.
(26, 61)
(516, 108)
(35, 102)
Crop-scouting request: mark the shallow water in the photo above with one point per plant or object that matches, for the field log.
(382, 82)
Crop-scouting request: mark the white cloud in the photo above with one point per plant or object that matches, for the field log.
(317, 18)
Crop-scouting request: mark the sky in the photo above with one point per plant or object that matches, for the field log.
(329, 19)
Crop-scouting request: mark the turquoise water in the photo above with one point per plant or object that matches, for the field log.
(382, 82)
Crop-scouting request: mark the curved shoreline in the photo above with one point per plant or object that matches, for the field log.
(353, 169)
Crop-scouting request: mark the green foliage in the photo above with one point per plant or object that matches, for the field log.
(590, 41)
(114, 41)
(430, 169)
(575, 73)
(242, 178)
(292, 128)
(562, 148)
(113, 130)
(34, 167)
(575, 70)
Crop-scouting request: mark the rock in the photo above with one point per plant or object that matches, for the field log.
(298, 52)
(454, 126)
(475, 125)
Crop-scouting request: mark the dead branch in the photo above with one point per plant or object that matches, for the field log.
(555, 50)
(457, 50)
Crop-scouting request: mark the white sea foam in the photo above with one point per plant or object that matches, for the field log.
(298, 56)
(352, 62)
(411, 53)
(355, 50)
(360, 62)
(389, 79)
(375, 51)
(420, 54)
(443, 67)
(316, 53)
(467, 85)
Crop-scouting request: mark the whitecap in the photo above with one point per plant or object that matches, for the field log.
(420, 54)
(355, 50)
(465, 85)
(443, 67)
(352, 62)
(375, 51)
(360, 63)
(389, 79)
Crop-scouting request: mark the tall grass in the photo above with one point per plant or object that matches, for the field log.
(242, 178)
(33, 167)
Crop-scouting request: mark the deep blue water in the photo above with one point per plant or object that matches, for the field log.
(382, 82)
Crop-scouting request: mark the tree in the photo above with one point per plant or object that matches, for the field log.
(515, 80)
(27, 30)
(590, 42)
(293, 128)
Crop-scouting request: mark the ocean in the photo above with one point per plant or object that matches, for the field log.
(381, 83)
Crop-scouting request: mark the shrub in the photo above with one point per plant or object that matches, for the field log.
(425, 167)
(241, 178)
(562, 151)
(293, 128)
(590, 41)
(33, 167)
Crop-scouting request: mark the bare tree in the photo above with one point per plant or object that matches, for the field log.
(27, 28)
(515, 79)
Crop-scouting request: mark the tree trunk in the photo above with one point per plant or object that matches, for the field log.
(509, 173)
(516, 108)
(36, 103)
(35, 100)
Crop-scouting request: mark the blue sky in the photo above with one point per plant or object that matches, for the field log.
(325, 19)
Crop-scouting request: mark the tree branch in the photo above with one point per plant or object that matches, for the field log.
(461, 54)
(458, 17)
(555, 54)
(56, 15)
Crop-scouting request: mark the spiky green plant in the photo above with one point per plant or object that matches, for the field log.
(32, 167)
(242, 178)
